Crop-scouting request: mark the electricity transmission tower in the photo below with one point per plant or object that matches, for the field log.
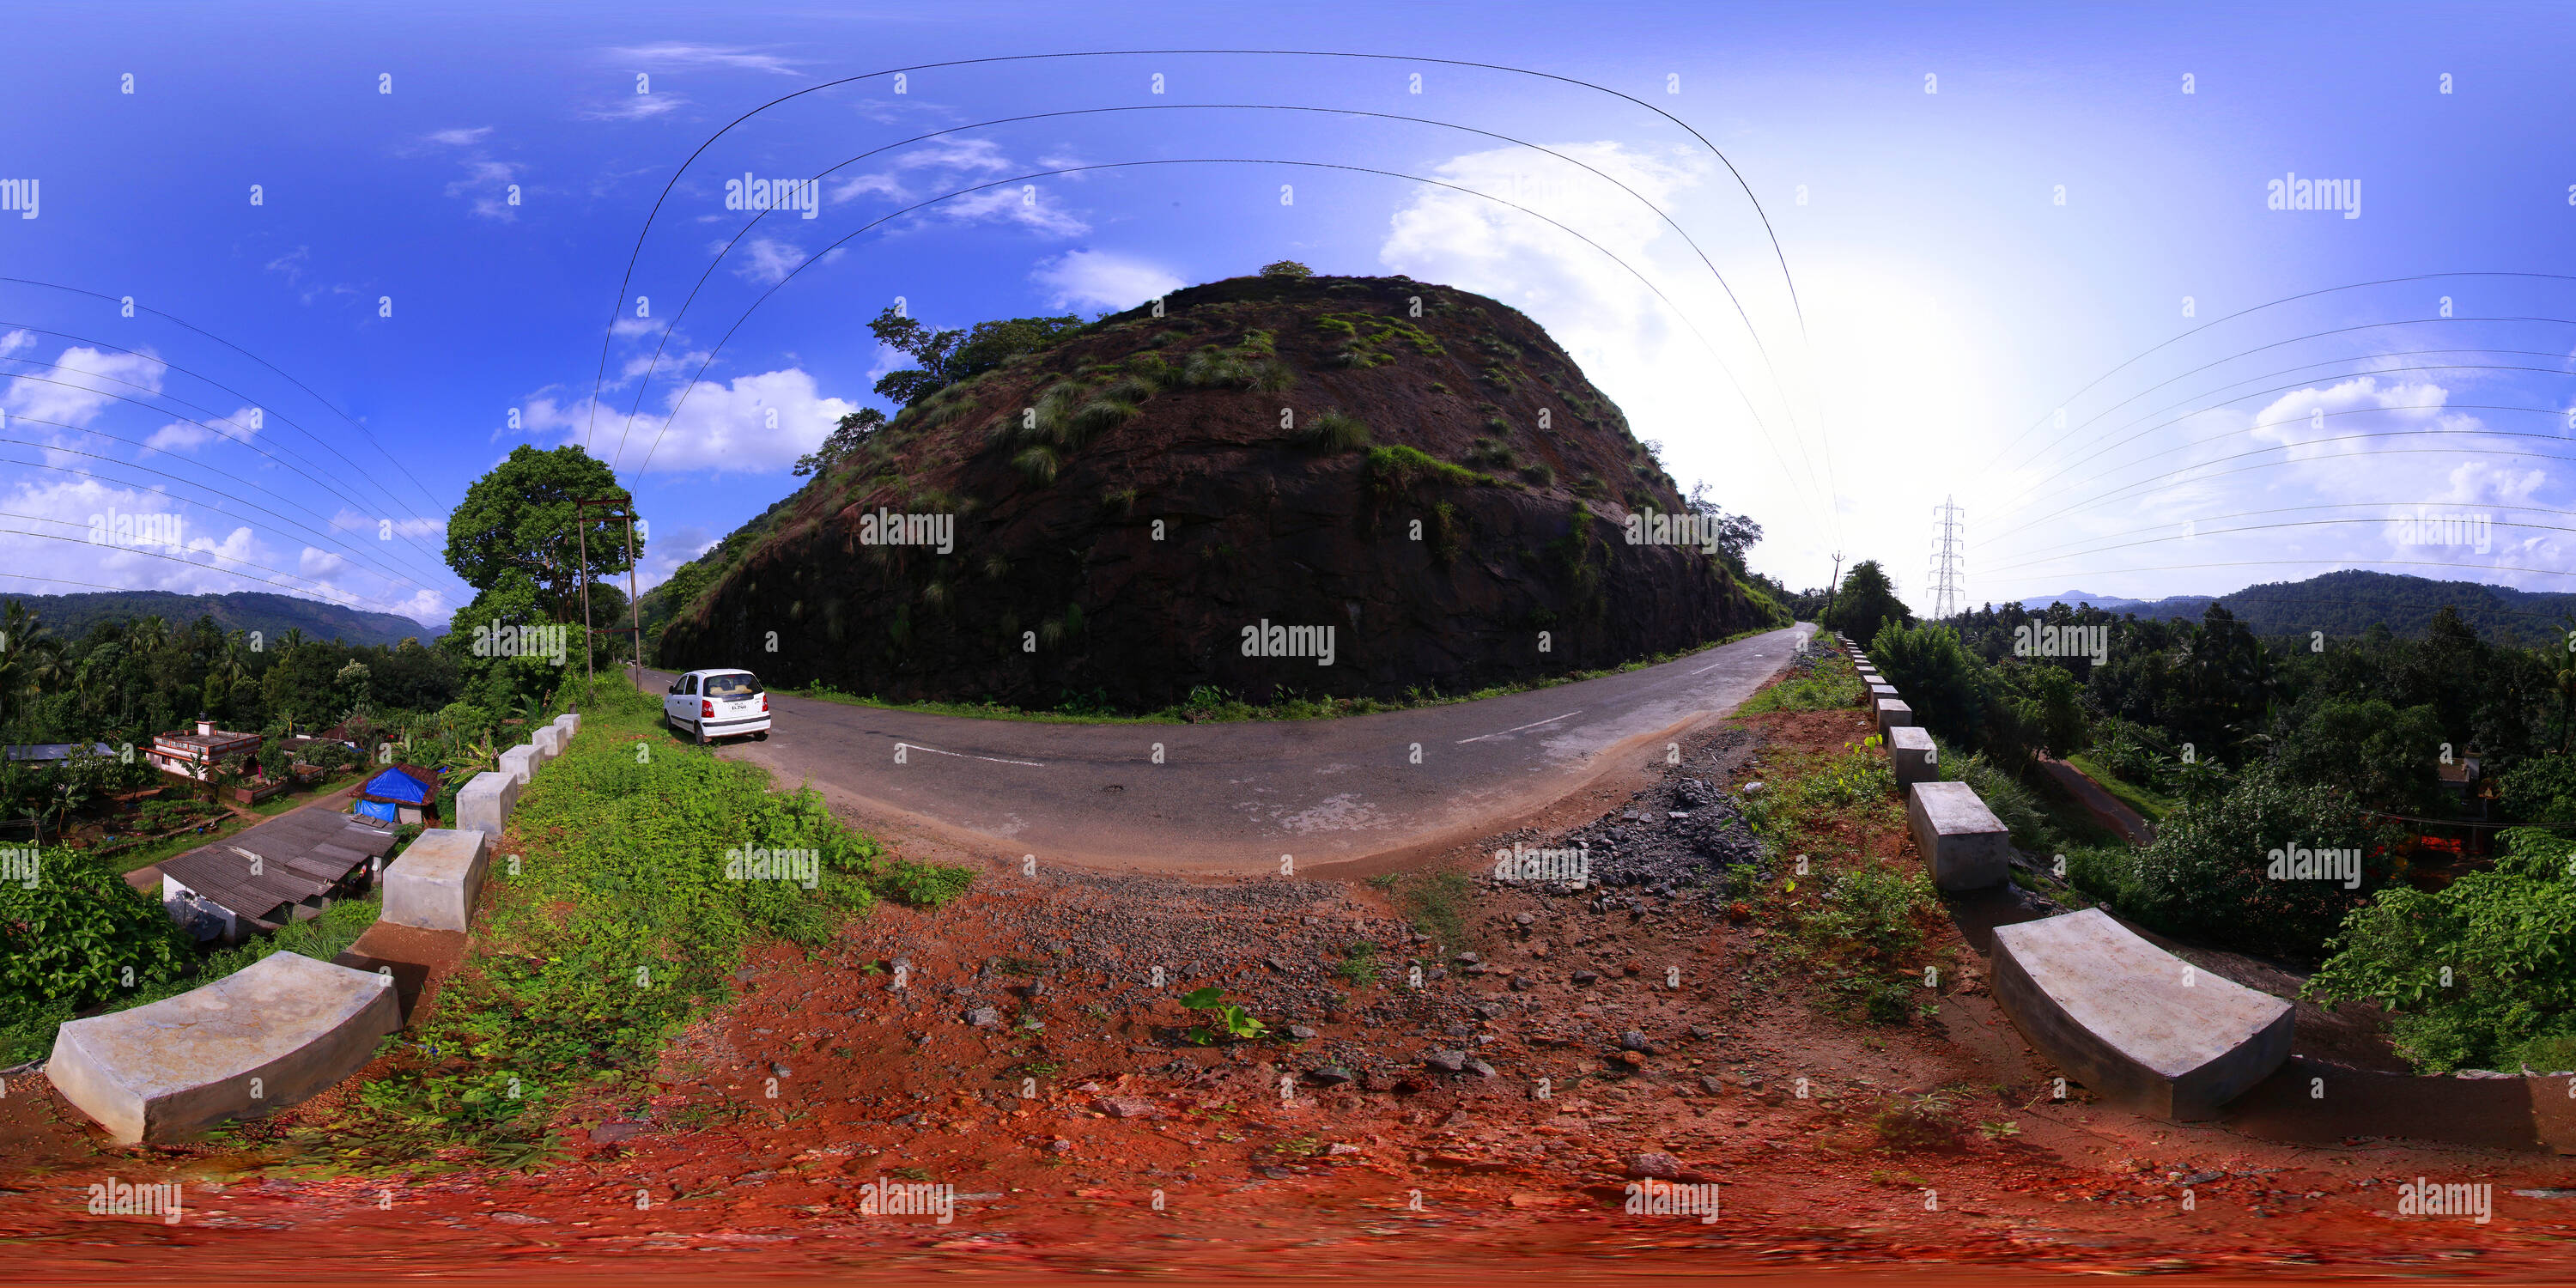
(1949, 560)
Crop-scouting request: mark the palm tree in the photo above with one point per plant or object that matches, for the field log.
(30, 659)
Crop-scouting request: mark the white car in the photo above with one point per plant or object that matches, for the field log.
(717, 704)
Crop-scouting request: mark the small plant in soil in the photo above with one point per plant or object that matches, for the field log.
(1225, 1019)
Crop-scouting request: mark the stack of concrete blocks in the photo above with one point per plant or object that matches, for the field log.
(2132, 1021)
(262, 1038)
(1961, 840)
(433, 885)
(484, 804)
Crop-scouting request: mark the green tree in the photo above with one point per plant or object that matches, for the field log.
(2380, 756)
(1286, 268)
(2209, 873)
(853, 431)
(69, 941)
(942, 357)
(518, 520)
(1866, 603)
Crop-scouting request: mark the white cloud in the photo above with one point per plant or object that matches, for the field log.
(676, 53)
(487, 185)
(461, 138)
(635, 107)
(81, 384)
(188, 435)
(1103, 279)
(15, 341)
(755, 424)
(768, 261)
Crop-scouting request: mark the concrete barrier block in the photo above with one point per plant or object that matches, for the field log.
(2132, 1021)
(1961, 840)
(520, 763)
(172, 1069)
(1893, 713)
(548, 743)
(484, 804)
(1881, 689)
(434, 884)
(1910, 751)
(566, 725)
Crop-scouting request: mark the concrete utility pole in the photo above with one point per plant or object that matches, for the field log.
(1831, 588)
(1949, 560)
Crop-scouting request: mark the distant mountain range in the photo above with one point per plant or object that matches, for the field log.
(71, 616)
(2351, 602)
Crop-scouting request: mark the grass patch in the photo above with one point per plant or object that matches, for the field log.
(1436, 903)
(2150, 805)
(1831, 684)
(621, 927)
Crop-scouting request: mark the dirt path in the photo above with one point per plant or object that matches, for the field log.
(1032, 1063)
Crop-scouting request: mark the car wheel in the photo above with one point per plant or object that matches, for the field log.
(704, 738)
(762, 736)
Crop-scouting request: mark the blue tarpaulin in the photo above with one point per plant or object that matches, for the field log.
(402, 785)
(381, 811)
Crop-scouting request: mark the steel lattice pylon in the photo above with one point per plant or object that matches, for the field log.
(1949, 560)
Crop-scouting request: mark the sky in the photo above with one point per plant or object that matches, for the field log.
(296, 275)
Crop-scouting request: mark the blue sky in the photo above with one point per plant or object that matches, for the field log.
(1951, 304)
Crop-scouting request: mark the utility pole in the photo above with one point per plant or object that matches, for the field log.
(1949, 561)
(619, 508)
(1831, 587)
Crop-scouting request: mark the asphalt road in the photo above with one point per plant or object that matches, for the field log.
(1235, 797)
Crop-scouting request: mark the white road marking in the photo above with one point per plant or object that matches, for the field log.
(962, 755)
(1531, 725)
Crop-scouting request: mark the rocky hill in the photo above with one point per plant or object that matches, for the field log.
(1126, 512)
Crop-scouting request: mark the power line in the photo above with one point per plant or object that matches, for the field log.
(671, 327)
(792, 274)
(1948, 560)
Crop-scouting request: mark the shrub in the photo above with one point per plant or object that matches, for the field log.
(2541, 790)
(2477, 974)
(2207, 872)
(1286, 268)
(71, 938)
(1333, 432)
(1037, 463)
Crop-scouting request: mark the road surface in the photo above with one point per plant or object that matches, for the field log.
(1235, 797)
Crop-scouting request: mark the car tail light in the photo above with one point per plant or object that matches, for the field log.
(764, 704)
(706, 707)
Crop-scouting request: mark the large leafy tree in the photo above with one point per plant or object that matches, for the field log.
(519, 520)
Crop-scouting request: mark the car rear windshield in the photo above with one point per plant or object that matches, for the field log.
(736, 685)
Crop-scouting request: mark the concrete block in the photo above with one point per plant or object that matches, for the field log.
(520, 763)
(1892, 713)
(1881, 689)
(434, 884)
(548, 743)
(174, 1068)
(1909, 749)
(1961, 840)
(2132, 1021)
(566, 725)
(484, 804)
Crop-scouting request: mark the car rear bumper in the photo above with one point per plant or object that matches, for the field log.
(721, 728)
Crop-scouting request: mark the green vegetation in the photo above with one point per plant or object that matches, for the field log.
(2475, 975)
(1867, 603)
(2150, 805)
(1286, 268)
(621, 926)
(1436, 904)
(1332, 433)
(1225, 1019)
(1831, 683)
